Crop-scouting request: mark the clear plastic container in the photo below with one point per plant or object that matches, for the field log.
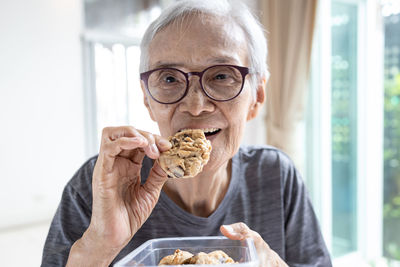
(151, 252)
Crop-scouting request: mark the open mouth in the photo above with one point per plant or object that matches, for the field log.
(211, 131)
(207, 131)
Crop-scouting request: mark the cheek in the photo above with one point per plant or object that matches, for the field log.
(237, 123)
(237, 130)
(162, 115)
(239, 113)
(160, 111)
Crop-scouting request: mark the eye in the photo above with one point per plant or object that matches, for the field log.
(221, 76)
(169, 79)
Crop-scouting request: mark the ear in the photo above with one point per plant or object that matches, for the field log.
(259, 99)
(146, 101)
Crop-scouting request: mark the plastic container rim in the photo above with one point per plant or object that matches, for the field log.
(249, 242)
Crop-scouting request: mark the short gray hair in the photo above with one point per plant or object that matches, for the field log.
(233, 10)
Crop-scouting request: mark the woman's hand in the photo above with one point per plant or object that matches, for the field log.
(120, 203)
(240, 231)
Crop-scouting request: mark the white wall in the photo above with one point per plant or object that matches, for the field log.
(41, 106)
(255, 132)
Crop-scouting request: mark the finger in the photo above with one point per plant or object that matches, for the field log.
(113, 133)
(120, 147)
(236, 231)
(136, 154)
(151, 149)
(115, 148)
(116, 140)
(240, 231)
(163, 144)
(155, 181)
(113, 137)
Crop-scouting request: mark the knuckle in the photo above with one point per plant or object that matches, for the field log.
(157, 136)
(157, 170)
(242, 226)
(105, 131)
(105, 147)
(244, 229)
(131, 129)
(150, 137)
(108, 133)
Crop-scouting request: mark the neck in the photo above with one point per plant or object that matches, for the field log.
(200, 195)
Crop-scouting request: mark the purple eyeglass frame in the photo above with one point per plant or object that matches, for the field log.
(144, 76)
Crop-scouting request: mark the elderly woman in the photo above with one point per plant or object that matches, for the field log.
(203, 67)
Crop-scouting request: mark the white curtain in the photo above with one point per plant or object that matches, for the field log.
(290, 28)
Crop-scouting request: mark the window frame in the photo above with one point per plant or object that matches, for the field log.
(89, 39)
(369, 131)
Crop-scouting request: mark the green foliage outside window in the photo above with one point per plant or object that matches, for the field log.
(344, 127)
(391, 209)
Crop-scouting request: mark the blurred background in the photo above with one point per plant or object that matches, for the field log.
(70, 67)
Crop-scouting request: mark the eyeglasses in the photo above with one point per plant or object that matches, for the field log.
(218, 82)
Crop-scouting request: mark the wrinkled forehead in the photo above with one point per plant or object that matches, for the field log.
(197, 38)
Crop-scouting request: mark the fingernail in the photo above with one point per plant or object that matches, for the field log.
(164, 143)
(154, 149)
(229, 228)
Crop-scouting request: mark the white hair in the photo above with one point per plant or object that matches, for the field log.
(231, 10)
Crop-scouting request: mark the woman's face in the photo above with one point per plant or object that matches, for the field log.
(193, 45)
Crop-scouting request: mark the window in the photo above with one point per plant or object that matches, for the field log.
(391, 211)
(344, 126)
(111, 55)
(345, 133)
(332, 125)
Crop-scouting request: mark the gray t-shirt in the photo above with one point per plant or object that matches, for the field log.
(266, 192)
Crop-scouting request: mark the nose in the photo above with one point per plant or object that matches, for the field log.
(196, 101)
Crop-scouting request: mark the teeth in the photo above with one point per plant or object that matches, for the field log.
(210, 130)
(206, 130)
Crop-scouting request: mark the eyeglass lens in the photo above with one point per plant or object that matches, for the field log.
(220, 83)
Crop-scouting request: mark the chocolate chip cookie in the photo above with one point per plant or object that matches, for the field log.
(190, 151)
(181, 257)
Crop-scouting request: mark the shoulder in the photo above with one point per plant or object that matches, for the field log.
(85, 171)
(265, 155)
(80, 185)
(269, 162)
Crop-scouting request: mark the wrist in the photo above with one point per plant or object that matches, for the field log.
(87, 251)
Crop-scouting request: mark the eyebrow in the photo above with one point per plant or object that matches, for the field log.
(215, 60)
(224, 60)
(167, 65)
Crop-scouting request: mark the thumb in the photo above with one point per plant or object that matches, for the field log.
(236, 231)
(156, 179)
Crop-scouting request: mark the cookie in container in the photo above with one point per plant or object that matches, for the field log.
(151, 252)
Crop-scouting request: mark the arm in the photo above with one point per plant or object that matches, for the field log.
(121, 204)
(304, 242)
